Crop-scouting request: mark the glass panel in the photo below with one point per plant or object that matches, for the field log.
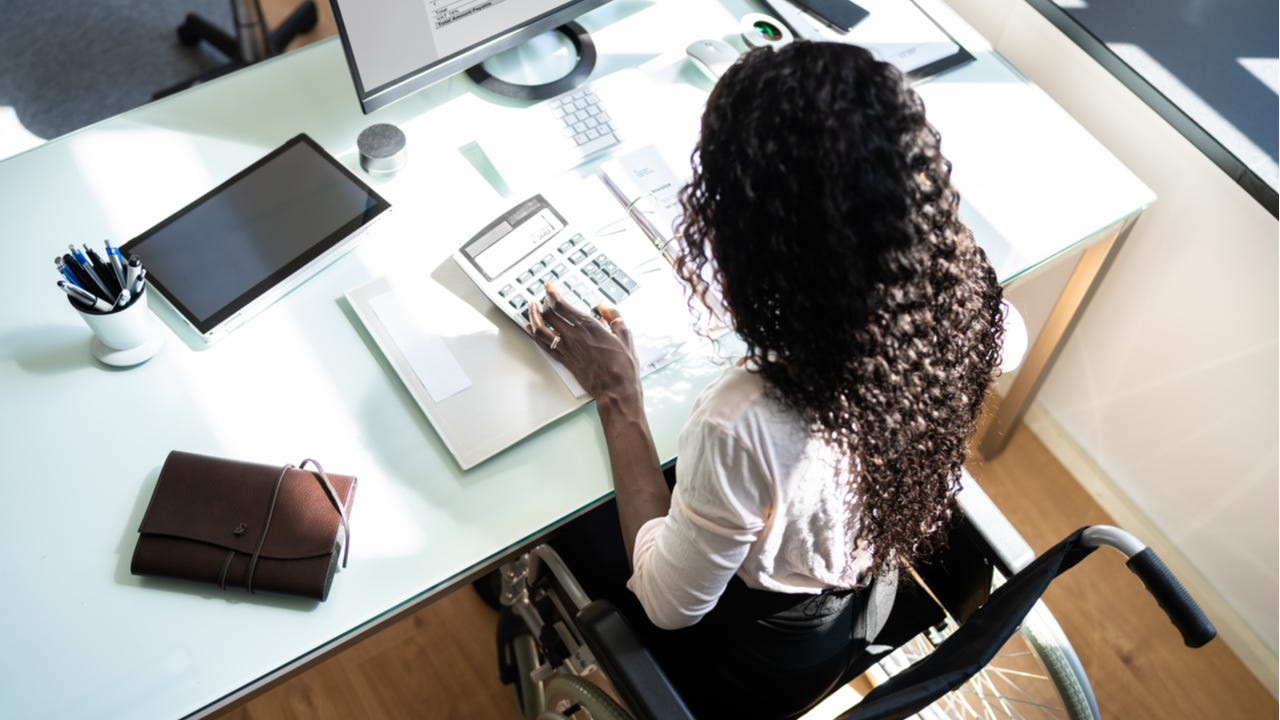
(1209, 67)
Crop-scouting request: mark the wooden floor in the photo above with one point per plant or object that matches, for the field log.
(441, 662)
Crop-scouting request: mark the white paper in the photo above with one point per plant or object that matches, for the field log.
(646, 185)
(422, 346)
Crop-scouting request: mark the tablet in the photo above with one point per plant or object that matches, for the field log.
(255, 237)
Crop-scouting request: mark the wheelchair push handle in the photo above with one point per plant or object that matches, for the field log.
(1182, 610)
(1173, 598)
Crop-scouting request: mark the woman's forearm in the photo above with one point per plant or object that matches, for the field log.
(639, 488)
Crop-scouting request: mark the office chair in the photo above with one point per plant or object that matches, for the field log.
(552, 637)
(251, 42)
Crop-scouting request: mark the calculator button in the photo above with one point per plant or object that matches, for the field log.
(589, 249)
(576, 239)
(606, 265)
(590, 298)
(613, 291)
(566, 246)
(524, 277)
(597, 276)
(559, 270)
(518, 302)
(577, 257)
(507, 290)
(627, 283)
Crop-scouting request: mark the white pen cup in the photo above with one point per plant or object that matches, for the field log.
(125, 336)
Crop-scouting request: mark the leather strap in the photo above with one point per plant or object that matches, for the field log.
(266, 526)
(320, 475)
(226, 565)
(337, 505)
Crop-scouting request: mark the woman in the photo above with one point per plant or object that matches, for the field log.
(821, 210)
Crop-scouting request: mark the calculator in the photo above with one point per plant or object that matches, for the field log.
(532, 244)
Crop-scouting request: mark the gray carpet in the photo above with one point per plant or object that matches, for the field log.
(67, 63)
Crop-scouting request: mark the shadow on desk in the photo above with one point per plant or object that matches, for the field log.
(51, 349)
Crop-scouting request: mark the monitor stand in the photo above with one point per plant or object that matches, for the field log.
(542, 67)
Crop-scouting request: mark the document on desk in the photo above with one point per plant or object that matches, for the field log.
(895, 31)
(645, 185)
(420, 336)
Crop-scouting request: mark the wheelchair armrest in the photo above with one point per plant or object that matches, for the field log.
(629, 665)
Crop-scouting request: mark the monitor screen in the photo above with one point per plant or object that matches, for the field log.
(396, 47)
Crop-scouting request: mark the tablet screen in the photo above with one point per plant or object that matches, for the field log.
(254, 232)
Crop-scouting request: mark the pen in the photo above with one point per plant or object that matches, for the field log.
(65, 271)
(123, 298)
(132, 270)
(136, 287)
(104, 271)
(84, 297)
(117, 264)
(83, 262)
(78, 275)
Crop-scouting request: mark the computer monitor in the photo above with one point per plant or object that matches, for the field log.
(396, 47)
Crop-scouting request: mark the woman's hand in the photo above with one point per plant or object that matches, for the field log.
(599, 353)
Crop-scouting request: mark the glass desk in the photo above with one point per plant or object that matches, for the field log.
(83, 443)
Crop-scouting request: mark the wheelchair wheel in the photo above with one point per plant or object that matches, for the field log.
(1035, 675)
(569, 690)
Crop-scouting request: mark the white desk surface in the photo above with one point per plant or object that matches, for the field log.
(82, 444)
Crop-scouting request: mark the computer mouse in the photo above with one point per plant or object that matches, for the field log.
(712, 57)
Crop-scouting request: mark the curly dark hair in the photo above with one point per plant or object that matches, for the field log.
(822, 208)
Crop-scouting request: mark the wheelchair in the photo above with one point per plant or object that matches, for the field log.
(967, 636)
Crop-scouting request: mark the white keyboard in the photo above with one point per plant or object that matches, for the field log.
(585, 123)
(559, 134)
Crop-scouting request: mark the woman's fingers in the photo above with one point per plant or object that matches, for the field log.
(538, 327)
(563, 308)
(611, 317)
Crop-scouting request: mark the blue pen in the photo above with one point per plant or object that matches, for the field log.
(66, 271)
(83, 262)
(117, 263)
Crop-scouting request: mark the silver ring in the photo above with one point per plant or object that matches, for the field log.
(555, 341)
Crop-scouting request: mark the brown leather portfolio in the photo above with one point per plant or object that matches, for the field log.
(260, 527)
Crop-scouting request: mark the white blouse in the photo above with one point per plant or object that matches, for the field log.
(755, 495)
